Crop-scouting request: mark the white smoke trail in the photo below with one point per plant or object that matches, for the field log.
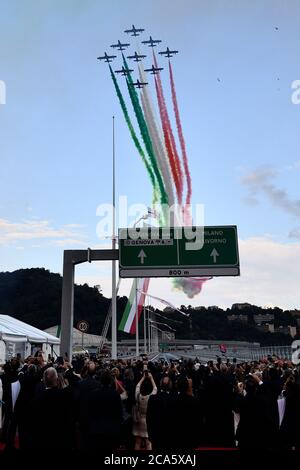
(159, 149)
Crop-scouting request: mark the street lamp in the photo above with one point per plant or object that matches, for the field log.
(160, 323)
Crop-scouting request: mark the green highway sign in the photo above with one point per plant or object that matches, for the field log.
(179, 251)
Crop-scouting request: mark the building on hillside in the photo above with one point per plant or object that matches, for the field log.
(287, 330)
(295, 313)
(240, 306)
(263, 318)
(241, 318)
(168, 310)
(266, 328)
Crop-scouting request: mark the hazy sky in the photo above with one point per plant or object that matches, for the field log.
(234, 74)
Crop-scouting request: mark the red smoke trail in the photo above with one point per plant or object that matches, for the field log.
(182, 142)
(169, 137)
(167, 141)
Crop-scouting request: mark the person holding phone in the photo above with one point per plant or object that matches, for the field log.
(144, 389)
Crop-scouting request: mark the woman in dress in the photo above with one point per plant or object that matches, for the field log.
(144, 389)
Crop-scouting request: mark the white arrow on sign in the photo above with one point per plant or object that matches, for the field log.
(142, 255)
(214, 254)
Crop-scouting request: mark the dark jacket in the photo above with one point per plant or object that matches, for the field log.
(259, 420)
(104, 418)
(218, 403)
(53, 423)
(188, 427)
(161, 420)
(289, 433)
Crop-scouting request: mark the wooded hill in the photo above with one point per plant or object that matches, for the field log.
(34, 296)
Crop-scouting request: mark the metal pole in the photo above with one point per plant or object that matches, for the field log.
(136, 322)
(149, 344)
(113, 295)
(151, 336)
(82, 339)
(145, 331)
(67, 305)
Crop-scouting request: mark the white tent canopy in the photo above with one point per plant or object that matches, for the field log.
(17, 331)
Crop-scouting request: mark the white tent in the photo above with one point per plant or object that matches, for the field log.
(17, 331)
(17, 336)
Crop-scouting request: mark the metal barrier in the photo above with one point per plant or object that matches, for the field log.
(283, 352)
(243, 354)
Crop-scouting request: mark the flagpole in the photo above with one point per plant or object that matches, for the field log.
(149, 345)
(136, 322)
(145, 335)
(113, 287)
(151, 333)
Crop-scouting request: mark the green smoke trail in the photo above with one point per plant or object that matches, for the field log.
(145, 134)
(133, 135)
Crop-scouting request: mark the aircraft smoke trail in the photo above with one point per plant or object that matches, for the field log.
(168, 142)
(145, 134)
(169, 136)
(147, 141)
(191, 286)
(154, 144)
(157, 144)
(162, 151)
(132, 131)
(182, 142)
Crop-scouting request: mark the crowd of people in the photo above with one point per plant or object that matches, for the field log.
(137, 404)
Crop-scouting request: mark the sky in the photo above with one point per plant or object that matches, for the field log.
(234, 72)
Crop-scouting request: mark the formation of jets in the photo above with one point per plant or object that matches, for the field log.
(136, 57)
(107, 58)
(151, 42)
(154, 70)
(125, 71)
(139, 84)
(168, 53)
(120, 46)
(134, 31)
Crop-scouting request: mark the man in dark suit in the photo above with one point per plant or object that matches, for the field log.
(81, 392)
(10, 376)
(53, 415)
(218, 400)
(188, 427)
(161, 417)
(104, 416)
(23, 411)
(259, 418)
(288, 434)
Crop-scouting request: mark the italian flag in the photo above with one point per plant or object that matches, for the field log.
(134, 305)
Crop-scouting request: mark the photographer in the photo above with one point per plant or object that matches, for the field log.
(144, 389)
